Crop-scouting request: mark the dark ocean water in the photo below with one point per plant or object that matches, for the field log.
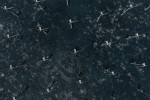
(104, 56)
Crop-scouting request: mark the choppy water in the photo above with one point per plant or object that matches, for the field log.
(38, 58)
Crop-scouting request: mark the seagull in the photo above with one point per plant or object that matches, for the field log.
(67, 1)
(5, 8)
(71, 22)
(37, 1)
(44, 30)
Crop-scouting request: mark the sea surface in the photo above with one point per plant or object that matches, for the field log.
(80, 50)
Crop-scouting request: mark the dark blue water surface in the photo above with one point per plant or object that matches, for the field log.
(97, 59)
